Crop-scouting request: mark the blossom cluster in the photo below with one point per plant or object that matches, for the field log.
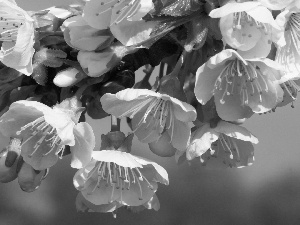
(220, 63)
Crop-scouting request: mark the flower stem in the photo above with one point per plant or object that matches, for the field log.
(181, 76)
(115, 123)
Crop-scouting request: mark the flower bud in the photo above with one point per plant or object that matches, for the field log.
(30, 179)
(68, 77)
(8, 161)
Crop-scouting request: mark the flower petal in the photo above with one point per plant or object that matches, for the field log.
(80, 179)
(180, 133)
(63, 124)
(231, 108)
(235, 131)
(263, 15)
(268, 99)
(157, 175)
(275, 4)
(84, 145)
(78, 34)
(131, 94)
(123, 159)
(183, 111)
(95, 63)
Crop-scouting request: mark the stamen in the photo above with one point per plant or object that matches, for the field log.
(139, 184)
(136, 108)
(225, 145)
(133, 7)
(144, 178)
(32, 124)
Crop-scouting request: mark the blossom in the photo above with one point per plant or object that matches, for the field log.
(152, 114)
(117, 177)
(17, 37)
(288, 44)
(240, 87)
(123, 17)
(247, 27)
(45, 131)
(229, 142)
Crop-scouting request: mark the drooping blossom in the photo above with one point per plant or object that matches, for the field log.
(240, 87)
(247, 27)
(45, 131)
(17, 37)
(161, 113)
(122, 17)
(229, 143)
(115, 178)
(152, 113)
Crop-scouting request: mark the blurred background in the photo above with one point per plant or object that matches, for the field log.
(268, 192)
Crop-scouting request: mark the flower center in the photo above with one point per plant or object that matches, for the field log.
(244, 80)
(9, 25)
(230, 148)
(46, 134)
(118, 177)
(241, 19)
(161, 117)
(158, 113)
(126, 11)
